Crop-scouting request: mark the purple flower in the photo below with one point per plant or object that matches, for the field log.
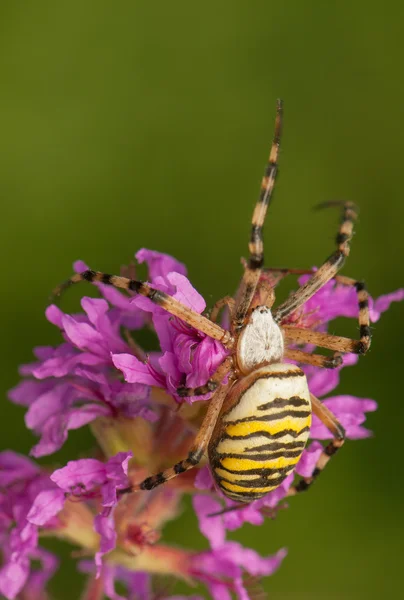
(82, 479)
(20, 482)
(223, 569)
(70, 403)
(188, 356)
(98, 375)
(78, 381)
(138, 585)
(335, 300)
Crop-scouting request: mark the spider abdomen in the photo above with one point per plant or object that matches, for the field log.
(262, 432)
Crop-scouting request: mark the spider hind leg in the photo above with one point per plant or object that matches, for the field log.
(338, 433)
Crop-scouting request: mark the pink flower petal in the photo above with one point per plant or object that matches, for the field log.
(160, 265)
(308, 460)
(383, 302)
(46, 506)
(13, 577)
(15, 467)
(211, 527)
(105, 526)
(80, 475)
(134, 370)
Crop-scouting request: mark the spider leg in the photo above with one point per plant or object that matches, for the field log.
(327, 340)
(316, 360)
(252, 272)
(338, 343)
(363, 316)
(328, 269)
(226, 301)
(212, 384)
(198, 448)
(338, 432)
(170, 304)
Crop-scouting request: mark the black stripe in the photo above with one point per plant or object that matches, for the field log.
(239, 495)
(363, 304)
(342, 237)
(134, 285)
(209, 386)
(245, 493)
(262, 456)
(157, 296)
(331, 449)
(335, 258)
(195, 457)
(282, 374)
(256, 233)
(256, 261)
(270, 170)
(261, 471)
(302, 486)
(277, 446)
(179, 468)
(361, 348)
(260, 482)
(152, 482)
(270, 436)
(333, 362)
(106, 278)
(88, 275)
(364, 331)
(360, 286)
(283, 402)
(299, 414)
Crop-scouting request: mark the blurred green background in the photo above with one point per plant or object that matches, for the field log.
(128, 124)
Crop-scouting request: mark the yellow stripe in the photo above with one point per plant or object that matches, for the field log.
(244, 464)
(248, 427)
(235, 476)
(238, 488)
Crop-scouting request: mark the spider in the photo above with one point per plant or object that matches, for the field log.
(258, 420)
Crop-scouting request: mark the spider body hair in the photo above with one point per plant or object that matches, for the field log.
(260, 342)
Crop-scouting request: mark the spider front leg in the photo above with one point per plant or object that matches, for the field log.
(328, 269)
(226, 301)
(167, 302)
(198, 448)
(252, 272)
(212, 384)
(338, 432)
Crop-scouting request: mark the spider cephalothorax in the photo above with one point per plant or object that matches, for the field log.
(258, 419)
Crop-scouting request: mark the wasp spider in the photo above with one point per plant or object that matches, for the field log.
(258, 419)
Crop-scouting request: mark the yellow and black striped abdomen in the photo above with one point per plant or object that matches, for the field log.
(262, 432)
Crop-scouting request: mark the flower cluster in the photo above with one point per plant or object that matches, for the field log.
(99, 376)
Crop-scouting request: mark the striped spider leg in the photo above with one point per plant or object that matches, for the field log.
(338, 433)
(328, 269)
(252, 272)
(167, 302)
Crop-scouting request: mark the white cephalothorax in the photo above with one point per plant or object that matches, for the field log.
(261, 341)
